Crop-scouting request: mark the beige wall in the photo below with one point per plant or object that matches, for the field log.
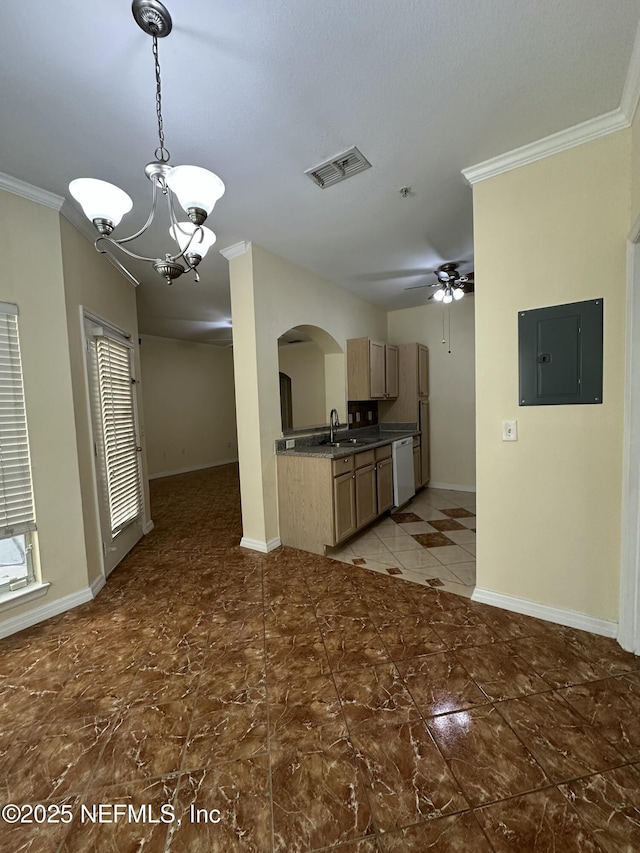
(549, 504)
(268, 296)
(634, 169)
(451, 385)
(33, 279)
(304, 365)
(189, 405)
(93, 284)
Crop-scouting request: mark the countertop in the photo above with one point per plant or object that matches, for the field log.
(369, 442)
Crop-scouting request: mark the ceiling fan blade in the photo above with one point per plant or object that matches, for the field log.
(420, 286)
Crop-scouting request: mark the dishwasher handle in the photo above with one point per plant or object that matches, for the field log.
(403, 442)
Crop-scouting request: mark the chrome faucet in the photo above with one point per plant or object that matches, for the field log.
(333, 424)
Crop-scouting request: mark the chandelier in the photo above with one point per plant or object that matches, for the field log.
(196, 189)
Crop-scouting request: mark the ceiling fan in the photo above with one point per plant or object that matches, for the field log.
(451, 285)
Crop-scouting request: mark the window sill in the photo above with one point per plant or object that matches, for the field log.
(22, 596)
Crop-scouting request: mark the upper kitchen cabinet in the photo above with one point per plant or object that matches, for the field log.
(413, 368)
(423, 370)
(372, 370)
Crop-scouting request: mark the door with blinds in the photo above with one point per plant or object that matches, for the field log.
(116, 443)
(17, 515)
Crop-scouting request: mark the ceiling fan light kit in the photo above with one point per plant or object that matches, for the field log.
(196, 189)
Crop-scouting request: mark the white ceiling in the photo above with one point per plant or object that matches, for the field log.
(259, 91)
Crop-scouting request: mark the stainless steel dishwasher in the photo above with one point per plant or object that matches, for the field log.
(404, 484)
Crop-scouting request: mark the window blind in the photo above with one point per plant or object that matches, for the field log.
(119, 432)
(16, 493)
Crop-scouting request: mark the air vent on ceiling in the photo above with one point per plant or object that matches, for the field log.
(338, 168)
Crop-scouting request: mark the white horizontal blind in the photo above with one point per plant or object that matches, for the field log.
(16, 494)
(119, 433)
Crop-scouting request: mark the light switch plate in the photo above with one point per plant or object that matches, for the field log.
(509, 430)
(291, 443)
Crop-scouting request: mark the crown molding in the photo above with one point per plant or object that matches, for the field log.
(571, 137)
(234, 251)
(30, 192)
(611, 122)
(631, 91)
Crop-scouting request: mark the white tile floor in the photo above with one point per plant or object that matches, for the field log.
(389, 546)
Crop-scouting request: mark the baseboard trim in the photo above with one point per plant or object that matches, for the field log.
(46, 611)
(148, 527)
(260, 544)
(543, 611)
(97, 585)
(189, 470)
(452, 487)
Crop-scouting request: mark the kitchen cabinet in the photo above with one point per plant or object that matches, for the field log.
(366, 495)
(372, 370)
(417, 466)
(412, 402)
(391, 370)
(384, 479)
(344, 506)
(423, 424)
(423, 371)
(322, 501)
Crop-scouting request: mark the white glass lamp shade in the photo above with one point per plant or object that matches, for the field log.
(458, 293)
(195, 187)
(439, 295)
(447, 298)
(100, 199)
(200, 244)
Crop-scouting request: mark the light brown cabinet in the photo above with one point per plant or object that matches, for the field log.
(384, 484)
(366, 495)
(412, 402)
(323, 501)
(417, 466)
(372, 370)
(423, 371)
(344, 506)
(391, 370)
(424, 442)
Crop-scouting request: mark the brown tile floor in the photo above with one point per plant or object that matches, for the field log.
(316, 704)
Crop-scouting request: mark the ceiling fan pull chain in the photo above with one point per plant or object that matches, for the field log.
(449, 313)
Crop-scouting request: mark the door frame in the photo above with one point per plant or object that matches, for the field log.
(89, 317)
(629, 616)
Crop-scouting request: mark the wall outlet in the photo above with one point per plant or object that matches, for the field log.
(509, 430)
(357, 417)
(290, 444)
(370, 416)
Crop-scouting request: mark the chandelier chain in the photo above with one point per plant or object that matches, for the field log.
(161, 152)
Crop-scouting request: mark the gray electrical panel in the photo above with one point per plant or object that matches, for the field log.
(560, 354)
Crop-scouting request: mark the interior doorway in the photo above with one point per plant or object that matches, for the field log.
(286, 403)
(629, 620)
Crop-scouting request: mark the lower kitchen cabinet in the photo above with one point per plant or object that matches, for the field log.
(322, 501)
(366, 495)
(417, 465)
(344, 506)
(384, 478)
